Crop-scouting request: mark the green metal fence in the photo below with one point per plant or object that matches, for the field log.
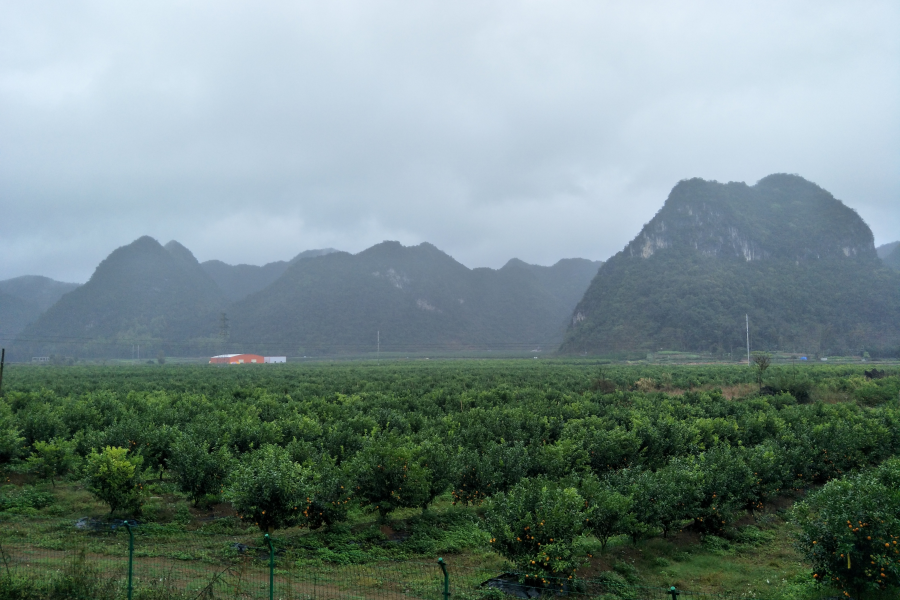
(145, 562)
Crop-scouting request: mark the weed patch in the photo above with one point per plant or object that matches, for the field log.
(25, 500)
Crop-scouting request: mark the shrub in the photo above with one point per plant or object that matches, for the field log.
(267, 487)
(21, 499)
(114, 477)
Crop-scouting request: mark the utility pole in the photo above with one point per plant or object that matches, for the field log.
(378, 351)
(748, 339)
(224, 329)
(224, 332)
(2, 360)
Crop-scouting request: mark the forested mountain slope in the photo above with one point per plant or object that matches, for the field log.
(324, 301)
(892, 259)
(39, 292)
(885, 249)
(413, 298)
(798, 261)
(15, 314)
(141, 293)
(239, 281)
(566, 280)
(23, 299)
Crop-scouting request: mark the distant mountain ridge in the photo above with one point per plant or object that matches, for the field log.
(41, 292)
(239, 281)
(141, 291)
(409, 298)
(322, 301)
(891, 256)
(566, 280)
(15, 314)
(23, 299)
(885, 249)
(799, 262)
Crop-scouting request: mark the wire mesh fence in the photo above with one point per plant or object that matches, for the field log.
(106, 561)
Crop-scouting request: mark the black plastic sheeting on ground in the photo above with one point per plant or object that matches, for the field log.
(509, 584)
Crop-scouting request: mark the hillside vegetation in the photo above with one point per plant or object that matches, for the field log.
(15, 314)
(239, 281)
(885, 249)
(160, 299)
(23, 299)
(799, 262)
(142, 293)
(412, 298)
(892, 259)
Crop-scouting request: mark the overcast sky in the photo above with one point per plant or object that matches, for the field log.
(250, 131)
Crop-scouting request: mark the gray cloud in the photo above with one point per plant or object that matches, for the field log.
(541, 130)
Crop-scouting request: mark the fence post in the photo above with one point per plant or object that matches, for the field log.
(130, 557)
(674, 593)
(2, 360)
(446, 578)
(271, 568)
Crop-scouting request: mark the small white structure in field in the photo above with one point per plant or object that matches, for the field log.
(276, 359)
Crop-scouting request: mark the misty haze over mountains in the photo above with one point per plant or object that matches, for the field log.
(784, 251)
(321, 301)
(239, 281)
(23, 299)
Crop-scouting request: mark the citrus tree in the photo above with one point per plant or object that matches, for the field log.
(668, 495)
(11, 440)
(388, 476)
(850, 530)
(434, 456)
(157, 448)
(199, 470)
(268, 488)
(497, 468)
(724, 485)
(114, 477)
(328, 493)
(52, 459)
(539, 526)
(606, 509)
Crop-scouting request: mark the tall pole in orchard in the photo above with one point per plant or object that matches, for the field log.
(748, 339)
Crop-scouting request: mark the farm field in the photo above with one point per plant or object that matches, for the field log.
(636, 476)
